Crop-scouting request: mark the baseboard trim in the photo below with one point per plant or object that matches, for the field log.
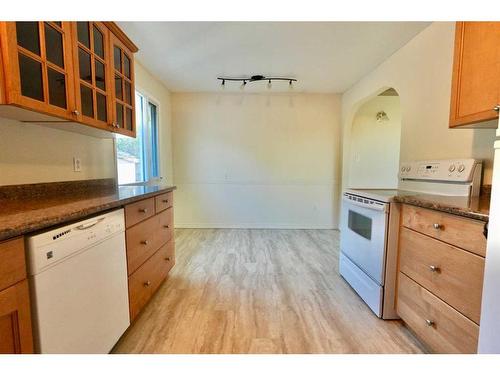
(252, 226)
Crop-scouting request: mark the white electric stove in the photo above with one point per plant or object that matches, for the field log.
(370, 225)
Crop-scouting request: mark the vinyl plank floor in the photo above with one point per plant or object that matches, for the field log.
(260, 291)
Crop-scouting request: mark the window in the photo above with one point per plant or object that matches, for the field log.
(137, 158)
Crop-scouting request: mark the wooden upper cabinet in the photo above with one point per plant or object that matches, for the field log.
(69, 71)
(475, 92)
(91, 53)
(124, 91)
(38, 67)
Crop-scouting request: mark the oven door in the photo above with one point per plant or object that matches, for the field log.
(363, 234)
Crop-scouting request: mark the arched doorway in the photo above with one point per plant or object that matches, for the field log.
(375, 143)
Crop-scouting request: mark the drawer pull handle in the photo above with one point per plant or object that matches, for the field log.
(437, 226)
(147, 283)
(143, 210)
(165, 200)
(496, 108)
(167, 259)
(430, 323)
(166, 226)
(434, 268)
(145, 242)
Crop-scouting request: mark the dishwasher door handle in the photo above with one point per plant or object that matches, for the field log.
(90, 225)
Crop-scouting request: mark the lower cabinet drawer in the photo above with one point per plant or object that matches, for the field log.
(139, 211)
(163, 201)
(459, 231)
(148, 277)
(452, 274)
(165, 225)
(143, 240)
(438, 325)
(168, 251)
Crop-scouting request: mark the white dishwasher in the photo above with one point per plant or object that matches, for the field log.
(78, 281)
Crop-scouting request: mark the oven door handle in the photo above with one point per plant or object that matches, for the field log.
(374, 206)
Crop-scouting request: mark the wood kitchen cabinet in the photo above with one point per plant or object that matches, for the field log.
(38, 67)
(475, 92)
(440, 278)
(150, 247)
(15, 319)
(68, 73)
(92, 66)
(124, 92)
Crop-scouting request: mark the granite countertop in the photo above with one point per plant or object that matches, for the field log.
(474, 207)
(29, 208)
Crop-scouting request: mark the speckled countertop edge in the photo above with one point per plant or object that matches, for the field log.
(443, 207)
(20, 222)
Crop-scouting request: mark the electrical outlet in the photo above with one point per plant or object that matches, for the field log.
(77, 164)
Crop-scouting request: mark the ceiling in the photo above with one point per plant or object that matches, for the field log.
(325, 57)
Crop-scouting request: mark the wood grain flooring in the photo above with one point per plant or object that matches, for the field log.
(260, 291)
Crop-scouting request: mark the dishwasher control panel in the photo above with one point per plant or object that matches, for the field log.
(48, 248)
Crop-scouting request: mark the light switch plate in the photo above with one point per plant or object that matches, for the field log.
(77, 164)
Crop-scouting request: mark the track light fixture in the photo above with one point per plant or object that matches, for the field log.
(256, 78)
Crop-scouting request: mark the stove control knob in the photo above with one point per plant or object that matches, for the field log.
(452, 168)
(461, 168)
(408, 168)
(403, 169)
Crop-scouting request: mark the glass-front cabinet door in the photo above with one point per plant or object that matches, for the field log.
(93, 84)
(38, 66)
(123, 88)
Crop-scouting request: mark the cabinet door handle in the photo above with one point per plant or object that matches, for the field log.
(437, 226)
(145, 242)
(497, 108)
(430, 323)
(167, 259)
(166, 226)
(147, 283)
(165, 200)
(76, 112)
(143, 210)
(434, 268)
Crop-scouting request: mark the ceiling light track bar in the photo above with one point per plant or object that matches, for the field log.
(256, 78)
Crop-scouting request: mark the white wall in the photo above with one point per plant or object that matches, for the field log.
(374, 151)
(421, 74)
(256, 161)
(32, 153)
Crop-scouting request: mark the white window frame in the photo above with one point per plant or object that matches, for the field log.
(147, 141)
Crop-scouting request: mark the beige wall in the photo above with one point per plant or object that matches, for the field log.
(421, 73)
(32, 153)
(374, 151)
(151, 86)
(256, 160)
